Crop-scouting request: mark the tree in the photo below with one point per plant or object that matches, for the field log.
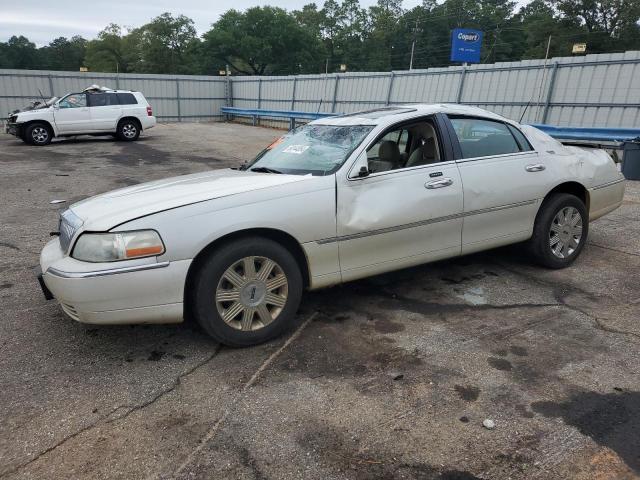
(262, 40)
(609, 25)
(538, 21)
(64, 54)
(167, 44)
(109, 52)
(19, 52)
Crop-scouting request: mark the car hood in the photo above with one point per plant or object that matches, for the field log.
(32, 111)
(105, 211)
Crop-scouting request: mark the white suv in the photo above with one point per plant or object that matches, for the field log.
(95, 111)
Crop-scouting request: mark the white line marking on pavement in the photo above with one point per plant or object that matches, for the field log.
(214, 429)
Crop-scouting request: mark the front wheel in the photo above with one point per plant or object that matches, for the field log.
(247, 292)
(38, 134)
(560, 231)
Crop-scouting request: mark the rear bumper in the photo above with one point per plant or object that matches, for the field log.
(605, 198)
(126, 292)
(148, 122)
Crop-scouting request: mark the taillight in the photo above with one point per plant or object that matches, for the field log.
(149, 111)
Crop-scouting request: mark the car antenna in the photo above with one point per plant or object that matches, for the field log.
(524, 111)
(44, 102)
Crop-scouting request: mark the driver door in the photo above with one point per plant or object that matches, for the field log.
(72, 115)
(399, 216)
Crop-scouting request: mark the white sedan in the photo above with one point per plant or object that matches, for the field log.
(338, 199)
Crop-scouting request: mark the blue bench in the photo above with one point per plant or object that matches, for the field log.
(590, 134)
(583, 134)
(291, 115)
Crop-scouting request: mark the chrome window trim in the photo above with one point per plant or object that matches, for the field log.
(101, 273)
(376, 136)
(514, 154)
(405, 169)
(422, 223)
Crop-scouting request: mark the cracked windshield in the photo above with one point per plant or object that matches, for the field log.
(311, 149)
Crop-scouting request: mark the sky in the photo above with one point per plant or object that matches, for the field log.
(43, 20)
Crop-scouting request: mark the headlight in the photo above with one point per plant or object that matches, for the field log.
(111, 247)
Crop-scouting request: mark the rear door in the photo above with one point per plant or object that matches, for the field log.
(504, 180)
(72, 114)
(105, 111)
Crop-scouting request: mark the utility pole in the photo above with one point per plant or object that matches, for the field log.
(544, 77)
(413, 44)
(326, 66)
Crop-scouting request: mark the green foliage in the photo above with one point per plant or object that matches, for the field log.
(261, 40)
(270, 40)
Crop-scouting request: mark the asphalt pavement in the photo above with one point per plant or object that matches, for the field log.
(388, 377)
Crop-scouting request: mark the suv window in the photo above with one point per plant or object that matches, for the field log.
(103, 99)
(75, 100)
(482, 138)
(127, 99)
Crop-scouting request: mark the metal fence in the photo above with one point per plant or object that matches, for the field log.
(174, 97)
(590, 91)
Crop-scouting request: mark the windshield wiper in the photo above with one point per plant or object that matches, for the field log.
(264, 170)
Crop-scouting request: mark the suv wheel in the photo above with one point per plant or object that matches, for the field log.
(247, 292)
(560, 231)
(38, 134)
(128, 130)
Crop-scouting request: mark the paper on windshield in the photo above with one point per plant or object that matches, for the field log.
(296, 149)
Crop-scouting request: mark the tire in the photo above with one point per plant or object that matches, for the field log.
(128, 130)
(38, 134)
(251, 317)
(556, 241)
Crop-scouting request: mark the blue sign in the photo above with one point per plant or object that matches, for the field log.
(465, 45)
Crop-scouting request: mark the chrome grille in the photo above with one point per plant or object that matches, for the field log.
(68, 225)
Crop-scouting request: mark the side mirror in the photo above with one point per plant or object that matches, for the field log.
(360, 167)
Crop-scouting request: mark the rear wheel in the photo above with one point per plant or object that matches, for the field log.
(560, 231)
(128, 130)
(247, 292)
(38, 134)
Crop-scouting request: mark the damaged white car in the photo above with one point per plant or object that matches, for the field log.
(338, 199)
(94, 111)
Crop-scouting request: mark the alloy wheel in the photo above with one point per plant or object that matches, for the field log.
(129, 130)
(39, 134)
(565, 232)
(251, 293)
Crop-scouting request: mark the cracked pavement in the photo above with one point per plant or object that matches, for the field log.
(389, 377)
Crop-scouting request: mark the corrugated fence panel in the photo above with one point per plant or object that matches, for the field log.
(173, 97)
(314, 93)
(593, 90)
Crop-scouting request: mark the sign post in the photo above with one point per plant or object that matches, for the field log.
(466, 45)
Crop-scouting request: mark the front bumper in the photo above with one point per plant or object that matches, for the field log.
(137, 291)
(13, 128)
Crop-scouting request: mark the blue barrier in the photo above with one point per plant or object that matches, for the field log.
(584, 134)
(292, 115)
(590, 134)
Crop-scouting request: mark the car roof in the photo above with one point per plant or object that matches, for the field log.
(398, 113)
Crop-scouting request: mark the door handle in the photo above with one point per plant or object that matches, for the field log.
(443, 182)
(538, 167)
